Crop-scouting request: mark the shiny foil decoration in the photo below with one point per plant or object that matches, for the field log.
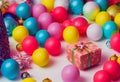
(113, 10)
(4, 6)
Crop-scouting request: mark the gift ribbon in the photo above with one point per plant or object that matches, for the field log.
(81, 47)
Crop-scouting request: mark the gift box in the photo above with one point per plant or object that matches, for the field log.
(84, 54)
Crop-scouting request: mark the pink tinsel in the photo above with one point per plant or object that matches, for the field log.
(23, 59)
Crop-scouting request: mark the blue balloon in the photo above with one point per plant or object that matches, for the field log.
(76, 6)
(109, 28)
(10, 69)
(32, 25)
(10, 24)
(42, 36)
(23, 11)
(103, 4)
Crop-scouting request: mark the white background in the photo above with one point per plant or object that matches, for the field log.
(56, 64)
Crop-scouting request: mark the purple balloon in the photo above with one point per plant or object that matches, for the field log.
(38, 9)
(45, 19)
(55, 29)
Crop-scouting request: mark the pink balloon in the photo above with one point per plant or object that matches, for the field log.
(45, 19)
(38, 9)
(12, 8)
(115, 42)
(55, 30)
(70, 73)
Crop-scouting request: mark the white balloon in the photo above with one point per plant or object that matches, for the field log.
(36, 1)
(94, 32)
(11, 1)
(63, 3)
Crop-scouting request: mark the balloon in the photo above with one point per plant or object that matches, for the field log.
(117, 20)
(10, 24)
(49, 4)
(60, 14)
(10, 69)
(94, 32)
(113, 10)
(53, 46)
(38, 9)
(42, 36)
(103, 4)
(111, 67)
(62, 3)
(109, 28)
(90, 10)
(29, 44)
(115, 42)
(32, 25)
(102, 18)
(76, 6)
(36, 1)
(82, 24)
(40, 57)
(55, 30)
(12, 8)
(29, 80)
(19, 33)
(23, 11)
(45, 19)
(101, 76)
(66, 23)
(71, 34)
(70, 73)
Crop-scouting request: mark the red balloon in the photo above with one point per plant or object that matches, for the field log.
(12, 8)
(101, 76)
(29, 44)
(82, 24)
(115, 42)
(53, 46)
(112, 68)
(66, 23)
(60, 14)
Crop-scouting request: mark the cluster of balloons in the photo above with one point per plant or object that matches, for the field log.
(45, 24)
(110, 72)
(38, 29)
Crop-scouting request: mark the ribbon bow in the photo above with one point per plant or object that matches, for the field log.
(81, 46)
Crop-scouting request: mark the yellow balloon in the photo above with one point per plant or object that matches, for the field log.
(71, 34)
(117, 20)
(102, 18)
(49, 4)
(28, 80)
(19, 33)
(40, 57)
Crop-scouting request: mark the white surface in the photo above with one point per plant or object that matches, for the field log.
(56, 64)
